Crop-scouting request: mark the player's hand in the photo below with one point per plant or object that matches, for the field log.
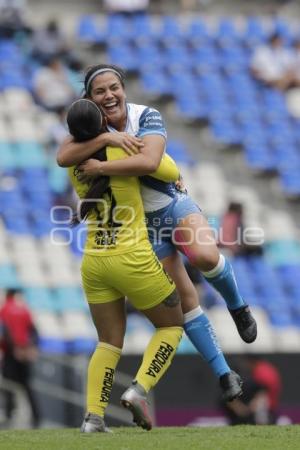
(88, 169)
(130, 144)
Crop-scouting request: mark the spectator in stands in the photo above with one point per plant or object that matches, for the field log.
(293, 95)
(11, 17)
(19, 340)
(296, 59)
(127, 7)
(231, 234)
(267, 375)
(231, 228)
(261, 391)
(52, 86)
(272, 64)
(50, 42)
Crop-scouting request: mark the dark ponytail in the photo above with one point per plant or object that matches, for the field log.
(97, 190)
(85, 122)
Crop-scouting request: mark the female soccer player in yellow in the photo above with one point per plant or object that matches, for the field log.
(119, 261)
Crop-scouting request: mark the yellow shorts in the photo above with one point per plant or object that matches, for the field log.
(137, 275)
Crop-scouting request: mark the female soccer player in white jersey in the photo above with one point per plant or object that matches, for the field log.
(139, 130)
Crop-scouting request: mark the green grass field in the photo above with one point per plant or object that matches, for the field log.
(212, 438)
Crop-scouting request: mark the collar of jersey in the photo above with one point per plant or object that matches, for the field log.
(112, 129)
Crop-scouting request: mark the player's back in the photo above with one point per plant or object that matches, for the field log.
(116, 225)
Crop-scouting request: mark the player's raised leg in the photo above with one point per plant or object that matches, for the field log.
(199, 329)
(194, 237)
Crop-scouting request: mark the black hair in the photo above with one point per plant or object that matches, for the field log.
(93, 69)
(98, 188)
(11, 292)
(85, 122)
(274, 36)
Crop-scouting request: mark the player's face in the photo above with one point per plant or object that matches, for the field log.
(109, 95)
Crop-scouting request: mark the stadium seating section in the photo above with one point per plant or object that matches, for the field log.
(205, 70)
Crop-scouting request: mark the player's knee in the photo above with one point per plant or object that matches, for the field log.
(172, 300)
(112, 338)
(206, 260)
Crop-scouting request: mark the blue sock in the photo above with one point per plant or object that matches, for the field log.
(201, 333)
(223, 280)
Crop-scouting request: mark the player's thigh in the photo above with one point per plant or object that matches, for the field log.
(173, 264)
(105, 301)
(194, 237)
(110, 321)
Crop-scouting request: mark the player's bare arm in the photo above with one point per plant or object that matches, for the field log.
(73, 153)
(143, 163)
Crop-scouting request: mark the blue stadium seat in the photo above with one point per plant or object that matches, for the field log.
(170, 32)
(142, 31)
(155, 83)
(9, 277)
(30, 154)
(81, 345)
(58, 179)
(290, 180)
(40, 299)
(226, 131)
(119, 29)
(281, 252)
(281, 27)
(8, 158)
(17, 224)
(206, 60)
(255, 32)
(150, 57)
(89, 31)
(191, 109)
(260, 157)
(52, 345)
(122, 54)
(179, 152)
(226, 35)
(234, 60)
(69, 299)
(281, 317)
(177, 58)
(14, 78)
(197, 34)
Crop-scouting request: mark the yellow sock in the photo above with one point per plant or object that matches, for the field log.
(158, 356)
(101, 372)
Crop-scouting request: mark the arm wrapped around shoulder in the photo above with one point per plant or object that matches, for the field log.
(167, 170)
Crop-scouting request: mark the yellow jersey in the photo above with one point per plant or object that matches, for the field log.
(117, 224)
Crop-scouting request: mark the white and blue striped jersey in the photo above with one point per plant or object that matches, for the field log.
(141, 121)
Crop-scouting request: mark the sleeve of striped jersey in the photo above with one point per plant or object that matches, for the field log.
(151, 122)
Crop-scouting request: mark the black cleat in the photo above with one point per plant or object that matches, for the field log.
(231, 385)
(94, 424)
(245, 323)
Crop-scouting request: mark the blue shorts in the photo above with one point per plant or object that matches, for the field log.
(161, 223)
